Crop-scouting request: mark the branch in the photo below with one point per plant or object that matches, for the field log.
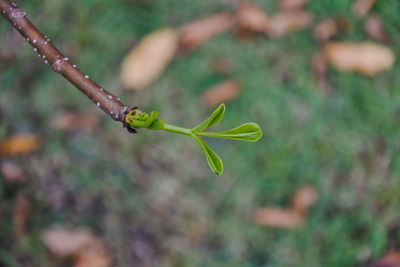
(61, 64)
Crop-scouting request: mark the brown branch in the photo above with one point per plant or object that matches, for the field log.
(61, 64)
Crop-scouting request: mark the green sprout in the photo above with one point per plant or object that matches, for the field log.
(246, 132)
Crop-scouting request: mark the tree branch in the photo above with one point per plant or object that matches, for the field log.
(61, 64)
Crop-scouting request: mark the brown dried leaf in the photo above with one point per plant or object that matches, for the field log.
(318, 66)
(391, 259)
(325, 30)
(88, 250)
(222, 92)
(374, 29)
(292, 4)
(367, 58)
(252, 18)
(21, 214)
(64, 242)
(198, 32)
(286, 22)
(19, 144)
(75, 121)
(280, 218)
(93, 256)
(362, 7)
(11, 172)
(148, 59)
(342, 23)
(303, 199)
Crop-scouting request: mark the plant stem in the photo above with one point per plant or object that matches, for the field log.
(61, 64)
(177, 129)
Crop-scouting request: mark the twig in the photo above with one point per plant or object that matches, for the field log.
(61, 64)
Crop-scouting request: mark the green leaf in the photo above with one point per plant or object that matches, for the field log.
(213, 119)
(214, 161)
(246, 132)
(150, 120)
(157, 125)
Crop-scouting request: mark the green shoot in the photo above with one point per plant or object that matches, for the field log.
(245, 132)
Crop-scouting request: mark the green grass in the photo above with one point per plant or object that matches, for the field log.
(151, 196)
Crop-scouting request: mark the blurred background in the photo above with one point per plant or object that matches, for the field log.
(321, 188)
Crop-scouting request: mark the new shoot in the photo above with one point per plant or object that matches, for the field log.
(246, 132)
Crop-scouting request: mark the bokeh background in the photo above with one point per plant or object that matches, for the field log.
(151, 198)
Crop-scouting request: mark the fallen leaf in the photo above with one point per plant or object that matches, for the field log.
(222, 92)
(367, 58)
(75, 121)
(279, 218)
(198, 32)
(19, 144)
(391, 259)
(11, 172)
(362, 7)
(148, 59)
(87, 249)
(374, 29)
(342, 23)
(286, 22)
(325, 30)
(303, 199)
(292, 4)
(94, 256)
(64, 242)
(21, 214)
(318, 66)
(252, 18)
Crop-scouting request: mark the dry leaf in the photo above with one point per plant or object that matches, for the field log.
(342, 23)
(303, 199)
(292, 4)
(318, 66)
(288, 21)
(75, 121)
(362, 7)
(64, 242)
(93, 257)
(11, 172)
(280, 218)
(222, 92)
(87, 249)
(19, 144)
(148, 59)
(294, 217)
(198, 32)
(391, 259)
(367, 58)
(325, 30)
(374, 29)
(252, 18)
(21, 214)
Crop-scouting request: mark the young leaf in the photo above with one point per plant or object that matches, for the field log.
(157, 125)
(153, 117)
(213, 119)
(153, 122)
(214, 161)
(246, 132)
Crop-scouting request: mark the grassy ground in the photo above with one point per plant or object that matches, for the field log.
(151, 196)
